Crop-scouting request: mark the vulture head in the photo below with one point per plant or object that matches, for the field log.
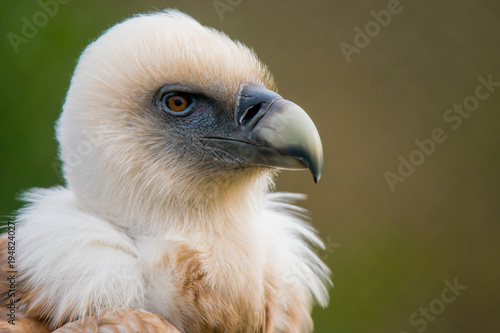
(164, 112)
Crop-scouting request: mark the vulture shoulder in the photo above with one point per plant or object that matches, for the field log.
(123, 320)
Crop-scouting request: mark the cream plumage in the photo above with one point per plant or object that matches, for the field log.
(171, 211)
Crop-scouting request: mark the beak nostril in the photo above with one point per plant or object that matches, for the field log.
(251, 104)
(250, 113)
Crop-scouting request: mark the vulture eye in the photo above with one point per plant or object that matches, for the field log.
(176, 103)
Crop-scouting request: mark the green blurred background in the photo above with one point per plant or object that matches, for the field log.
(390, 251)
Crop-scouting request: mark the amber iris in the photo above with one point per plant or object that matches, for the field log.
(177, 103)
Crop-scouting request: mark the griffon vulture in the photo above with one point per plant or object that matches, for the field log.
(171, 135)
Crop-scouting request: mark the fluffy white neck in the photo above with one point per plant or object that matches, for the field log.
(214, 207)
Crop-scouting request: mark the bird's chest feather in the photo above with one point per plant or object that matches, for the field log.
(208, 290)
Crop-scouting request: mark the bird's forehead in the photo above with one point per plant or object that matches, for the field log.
(149, 51)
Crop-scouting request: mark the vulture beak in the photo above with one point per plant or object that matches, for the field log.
(271, 131)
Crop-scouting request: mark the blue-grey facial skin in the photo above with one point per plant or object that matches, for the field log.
(205, 116)
(259, 129)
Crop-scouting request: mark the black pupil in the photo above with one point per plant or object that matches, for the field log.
(178, 101)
